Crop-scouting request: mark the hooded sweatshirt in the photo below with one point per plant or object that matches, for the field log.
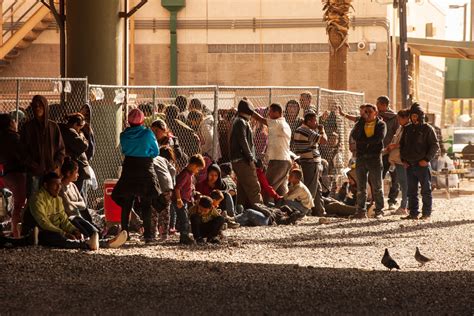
(45, 150)
(139, 141)
(390, 119)
(418, 141)
(203, 186)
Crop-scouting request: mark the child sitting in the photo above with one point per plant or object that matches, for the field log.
(298, 196)
(267, 189)
(217, 196)
(183, 195)
(206, 221)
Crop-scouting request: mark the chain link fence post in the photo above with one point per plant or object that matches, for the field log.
(215, 140)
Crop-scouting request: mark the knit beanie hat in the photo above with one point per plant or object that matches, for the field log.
(417, 109)
(136, 117)
(245, 107)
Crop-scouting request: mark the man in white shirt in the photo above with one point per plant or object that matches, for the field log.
(278, 148)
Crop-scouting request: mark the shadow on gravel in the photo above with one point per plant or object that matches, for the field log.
(43, 282)
(313, 237)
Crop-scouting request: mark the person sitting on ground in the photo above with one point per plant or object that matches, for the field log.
(217, 199)
(206, 221)
(214, 181)
(267, 189)
(183, 196)
(74, 204)
(298, 196)
(166, 173)
(55, 229)
(138, 178)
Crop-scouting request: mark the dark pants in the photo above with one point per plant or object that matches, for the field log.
(369, 168)
(9, 242)
(182, 223)
(422, 176)
(85, 227)
(248, 187)
(311, 174)
(393, 193)
(127, 205)
(56, 240)
(207, 230)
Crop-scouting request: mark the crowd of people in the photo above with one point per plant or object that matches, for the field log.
(271, 167)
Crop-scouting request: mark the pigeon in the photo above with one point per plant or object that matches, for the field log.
(420, 258)
(389, 262)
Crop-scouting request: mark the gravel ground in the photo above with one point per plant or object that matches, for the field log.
(308, 268)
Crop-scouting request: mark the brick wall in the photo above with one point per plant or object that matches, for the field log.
(245, 64)
(431, 87)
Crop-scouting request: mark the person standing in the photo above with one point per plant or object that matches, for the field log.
(369, 133)
(390, 119)
(306, 99)
(395, 161)
(242, 155)
(306, 140)
(45, 150)
(278, 149)
(418, 147)
(138, 178)
(11, 157)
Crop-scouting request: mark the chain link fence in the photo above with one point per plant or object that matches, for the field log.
(199, 116)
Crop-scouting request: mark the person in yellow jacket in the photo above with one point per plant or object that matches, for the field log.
(54, 228)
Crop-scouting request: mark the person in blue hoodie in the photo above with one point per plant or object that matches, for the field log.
(138, 178)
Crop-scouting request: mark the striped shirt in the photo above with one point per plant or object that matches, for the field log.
(305, 143)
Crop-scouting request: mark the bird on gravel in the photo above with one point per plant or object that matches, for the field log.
(420, 258)
(389, 262)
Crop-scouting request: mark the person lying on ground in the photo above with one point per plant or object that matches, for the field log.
(55, 228)
(206, 221)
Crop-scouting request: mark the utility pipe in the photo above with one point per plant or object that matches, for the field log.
(173, 6)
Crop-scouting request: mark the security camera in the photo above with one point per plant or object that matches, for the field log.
(372, 48)
(361, 45)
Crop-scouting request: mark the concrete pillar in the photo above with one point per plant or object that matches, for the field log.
(95, 40)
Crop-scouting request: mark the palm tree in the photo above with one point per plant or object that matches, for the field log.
(336, 16)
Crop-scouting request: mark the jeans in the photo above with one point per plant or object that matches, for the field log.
(369, 168)
(393, 193)
(311, 172)
(297, 206)
(402, 181)
(207, 230)
(127, 205)
(251, 217)
(56, 240)
(228, 204)
(422, 176)
(86, 228)
(182, 218)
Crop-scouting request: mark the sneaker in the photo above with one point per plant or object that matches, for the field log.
(200, 241)
(391, 206)
(360, 215)
(163, 237)
(172, 231)
(214, 241)
(36, 236)
(401, 211)
(118, 240)
(186, 240)
(409, 216)
(425, 217)
(113, 230)
(224, 226)
(379, 214)
(93, 242)
(232, 225)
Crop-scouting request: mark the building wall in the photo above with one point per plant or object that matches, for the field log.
(431, 88)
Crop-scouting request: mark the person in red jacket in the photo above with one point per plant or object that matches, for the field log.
(267, 189)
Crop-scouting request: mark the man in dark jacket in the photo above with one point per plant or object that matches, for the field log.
(369, 133)
(242, 155)
(418, 146)
(43, 142)
(390, 119)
